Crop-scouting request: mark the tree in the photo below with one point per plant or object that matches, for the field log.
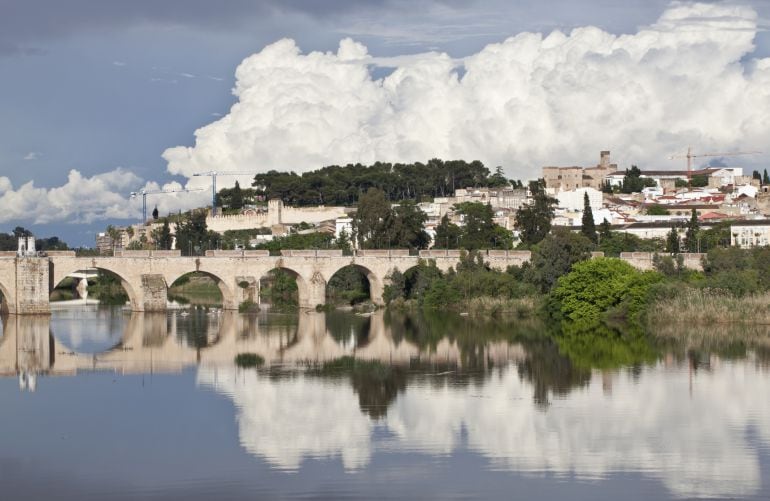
(478, 230)
(589, 225)
(162, 236)
(236, 198)
(672, 241)
(155, 213)
(633, 182)
(192, 234)
(596, 286)
(447, 234)
(555, 256)
(409, 225)
(756, 175)
(765, 178)
(534, 219)
(605, 229)
(691, 236)
(656, 210)
(372, 219)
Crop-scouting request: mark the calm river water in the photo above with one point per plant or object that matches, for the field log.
(104, 404)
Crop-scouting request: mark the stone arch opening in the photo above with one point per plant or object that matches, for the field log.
(200, 288)
(412, 282)
(353, 284)
(282, 289)
(102, 286)
(5, 307)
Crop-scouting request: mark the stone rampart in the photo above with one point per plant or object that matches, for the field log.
(644, 260)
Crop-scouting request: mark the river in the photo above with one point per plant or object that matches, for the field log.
(99, 403)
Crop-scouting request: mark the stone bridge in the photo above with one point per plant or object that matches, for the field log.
(26, 282)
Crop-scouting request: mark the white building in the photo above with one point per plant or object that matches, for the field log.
(750, 234)
(573, 200)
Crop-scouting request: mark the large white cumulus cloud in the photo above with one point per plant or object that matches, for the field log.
(531, 100)
(85, 199)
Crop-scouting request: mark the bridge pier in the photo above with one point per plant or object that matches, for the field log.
(154, 293)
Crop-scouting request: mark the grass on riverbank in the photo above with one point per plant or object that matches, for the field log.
(705, 307)
(523, 307)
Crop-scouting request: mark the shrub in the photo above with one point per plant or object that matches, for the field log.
(249, 360)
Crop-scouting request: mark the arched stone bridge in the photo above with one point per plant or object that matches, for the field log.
(146, 275)
(26, 282)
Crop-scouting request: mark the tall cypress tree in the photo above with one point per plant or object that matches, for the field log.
(765, 178)
(691, 237)
(672, 241)
(589, 226)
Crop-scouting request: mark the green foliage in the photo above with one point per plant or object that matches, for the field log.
(343, 185)
(672, 241)
(691, 236)
(279, 289)
(192, 236)
(447, 234)
(248, 306)
(377, 225)
(10, 242)
(594, 287)
(555, 256)
(246, 360)
(602, 347)
(108, 289)
(299, 241)
(348, 286)
(479, 230)
(669, 266)
(657, 210)
(634, 183)
(162, 236)
(236, 198)
(534, 220)
(588, 228)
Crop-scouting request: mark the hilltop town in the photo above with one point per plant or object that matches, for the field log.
(645, 204)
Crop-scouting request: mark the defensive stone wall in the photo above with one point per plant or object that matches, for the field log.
(644, 260)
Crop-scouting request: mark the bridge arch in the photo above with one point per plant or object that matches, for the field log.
(375, 280)
(307, 286)
(61, 271)
(227, 291)
(6, 300)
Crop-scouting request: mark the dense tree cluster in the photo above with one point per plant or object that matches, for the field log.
(377, 225)
(533, 220)
(235, 198)
(343, 185)
(10, 241)
(634, 183)
(478, 231)
(193, 237)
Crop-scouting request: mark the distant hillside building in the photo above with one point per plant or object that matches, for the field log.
(571, 178)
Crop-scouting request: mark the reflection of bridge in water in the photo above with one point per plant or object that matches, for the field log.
(152, 343)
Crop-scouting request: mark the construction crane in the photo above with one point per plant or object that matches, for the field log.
(144, 194)
(690, 155)
(213, 174)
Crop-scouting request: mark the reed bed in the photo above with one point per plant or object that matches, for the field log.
(711, 315)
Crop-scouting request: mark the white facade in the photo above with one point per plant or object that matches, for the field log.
(573, 200)
(747, 236)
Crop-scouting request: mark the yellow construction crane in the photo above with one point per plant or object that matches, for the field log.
(690, 155)
(213, 174)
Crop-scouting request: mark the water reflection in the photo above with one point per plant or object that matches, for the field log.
(352, 387)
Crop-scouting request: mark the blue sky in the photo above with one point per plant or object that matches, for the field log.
(97, 86)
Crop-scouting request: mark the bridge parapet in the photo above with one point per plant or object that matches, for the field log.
(148, 253)
(312, 253)
(382, 252)
(238, 253)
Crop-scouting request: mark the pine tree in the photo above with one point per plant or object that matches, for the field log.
(691, 237)
(605, 229)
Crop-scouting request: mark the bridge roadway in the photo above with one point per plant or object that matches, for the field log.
(153, 342)
(146, 275)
